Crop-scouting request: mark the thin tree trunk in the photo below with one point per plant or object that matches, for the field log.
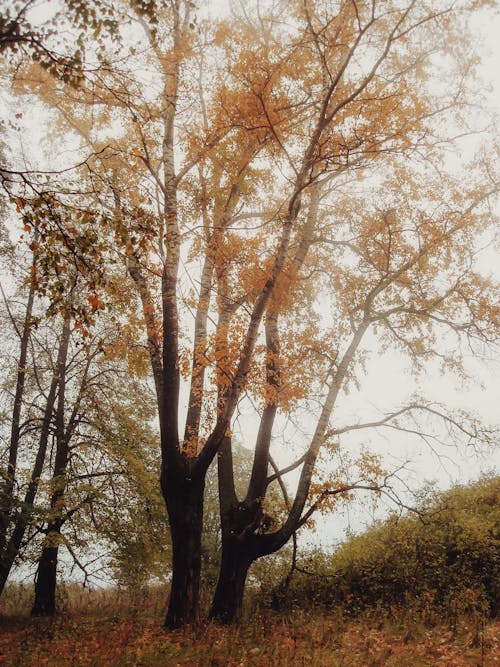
(25, 514)
(46, 578)
(7, 484)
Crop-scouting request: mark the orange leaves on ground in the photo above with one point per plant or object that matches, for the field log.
(95, 302)
(87, 639)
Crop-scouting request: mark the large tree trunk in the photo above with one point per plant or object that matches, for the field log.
(227, 603)
(184, 500)
(46, 578)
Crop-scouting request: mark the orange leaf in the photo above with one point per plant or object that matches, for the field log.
(95, 302)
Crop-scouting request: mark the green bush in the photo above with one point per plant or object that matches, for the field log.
(445, 558)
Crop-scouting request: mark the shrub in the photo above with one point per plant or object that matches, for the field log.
(447, 557)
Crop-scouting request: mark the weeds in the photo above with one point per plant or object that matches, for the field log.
(113, 628)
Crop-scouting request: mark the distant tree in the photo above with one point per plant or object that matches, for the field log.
(104, 471)
(78, 481)
(17, 509)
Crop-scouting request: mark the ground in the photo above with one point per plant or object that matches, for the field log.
(120, 632)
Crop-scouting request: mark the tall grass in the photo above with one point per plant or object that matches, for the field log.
(112, 627)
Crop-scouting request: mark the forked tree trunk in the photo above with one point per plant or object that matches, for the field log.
(184, 500)
(227, 604)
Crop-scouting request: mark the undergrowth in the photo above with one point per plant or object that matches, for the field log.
(114, 628)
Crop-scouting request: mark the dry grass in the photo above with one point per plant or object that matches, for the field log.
(109, 628)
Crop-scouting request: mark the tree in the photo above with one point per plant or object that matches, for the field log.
(17, 513)
(97, 409)
(44, 40)
(272, 196)
(9, 474)
(65, 390)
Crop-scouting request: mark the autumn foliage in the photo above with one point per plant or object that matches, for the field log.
(259, 204)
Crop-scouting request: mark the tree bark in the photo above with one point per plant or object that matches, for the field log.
(227, 604)
(45, 585)
(184, 499)
(46, 579)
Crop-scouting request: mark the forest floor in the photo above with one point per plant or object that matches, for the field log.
(102, 634)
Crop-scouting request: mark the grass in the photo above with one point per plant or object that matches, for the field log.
(110, 628)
